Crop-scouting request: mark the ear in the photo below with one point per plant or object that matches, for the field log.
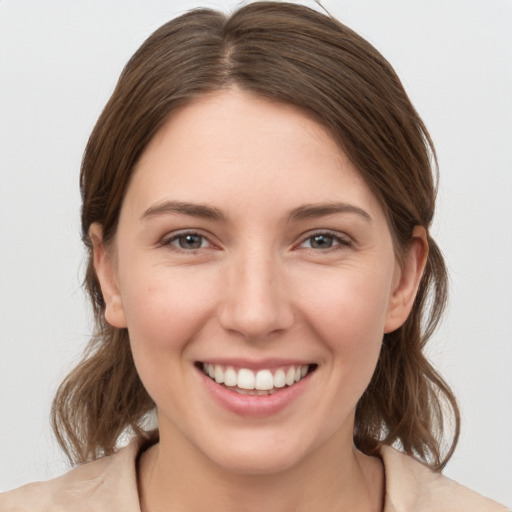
(104, 264)
(407, 280)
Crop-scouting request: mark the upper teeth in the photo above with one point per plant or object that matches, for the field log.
(262, 380)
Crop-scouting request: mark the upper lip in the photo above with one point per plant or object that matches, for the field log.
(254, 364)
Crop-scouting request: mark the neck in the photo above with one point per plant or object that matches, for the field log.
(174, 477)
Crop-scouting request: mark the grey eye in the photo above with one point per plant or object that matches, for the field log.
(320, 242)
(189, 241)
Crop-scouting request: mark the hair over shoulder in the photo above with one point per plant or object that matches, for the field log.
(290, 54)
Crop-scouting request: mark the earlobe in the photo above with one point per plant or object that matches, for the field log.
(106, 273)
(407, 280)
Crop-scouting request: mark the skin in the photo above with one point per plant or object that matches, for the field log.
(258, 287)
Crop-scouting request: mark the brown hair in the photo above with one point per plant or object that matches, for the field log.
(291, 54)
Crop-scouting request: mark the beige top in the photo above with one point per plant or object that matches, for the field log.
(110, 485)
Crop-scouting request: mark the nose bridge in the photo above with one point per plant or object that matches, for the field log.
(254, 303)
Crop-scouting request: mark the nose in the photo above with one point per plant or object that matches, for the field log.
(255, 302)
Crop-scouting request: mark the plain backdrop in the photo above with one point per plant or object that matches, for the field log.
(59, 61)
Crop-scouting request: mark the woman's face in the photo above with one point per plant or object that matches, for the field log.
(250, 248)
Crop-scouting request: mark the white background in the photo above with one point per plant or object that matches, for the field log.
(59, 61)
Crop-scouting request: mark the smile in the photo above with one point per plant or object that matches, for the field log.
(261, 383)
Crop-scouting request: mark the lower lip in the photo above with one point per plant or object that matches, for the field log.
(253, 405)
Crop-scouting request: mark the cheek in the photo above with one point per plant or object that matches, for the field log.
(348, 298)
(348, 312)
(164, 310)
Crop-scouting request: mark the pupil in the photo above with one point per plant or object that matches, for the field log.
(190, 242)
(321, 242)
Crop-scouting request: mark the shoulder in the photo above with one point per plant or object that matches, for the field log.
(412, 487)
(107, 484)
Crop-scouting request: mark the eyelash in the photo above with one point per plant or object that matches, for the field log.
(168, 242)
(341, 241)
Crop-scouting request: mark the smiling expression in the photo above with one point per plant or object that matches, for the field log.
(255, 272)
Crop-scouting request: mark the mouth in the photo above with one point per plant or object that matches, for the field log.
(262, 382)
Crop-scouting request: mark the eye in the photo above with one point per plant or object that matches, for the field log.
(325, 241)
(187, 241)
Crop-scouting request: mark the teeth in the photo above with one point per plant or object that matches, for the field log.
(230, 377)
(253, 392)
(262, 382)
(279, 379)
(219, 375)
(290, 376)
(245, 379)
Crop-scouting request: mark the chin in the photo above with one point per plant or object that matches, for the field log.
(260, 452)
(257, 461)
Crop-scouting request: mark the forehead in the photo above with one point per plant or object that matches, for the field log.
(231, 147)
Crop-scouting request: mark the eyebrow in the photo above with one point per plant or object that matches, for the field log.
(183, 208)
(310, 211)
(307, 211)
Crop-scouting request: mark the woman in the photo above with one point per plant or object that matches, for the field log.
(257, 196)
